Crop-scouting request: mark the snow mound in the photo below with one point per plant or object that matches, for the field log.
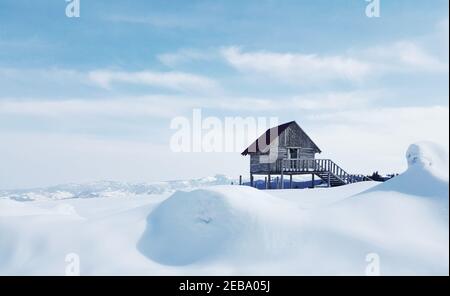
(427, 173)
(430, 157)
(187, 227)
(195, 226)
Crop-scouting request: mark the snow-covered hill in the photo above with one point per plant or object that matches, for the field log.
(228, 230)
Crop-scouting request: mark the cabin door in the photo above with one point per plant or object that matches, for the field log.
(293, 156)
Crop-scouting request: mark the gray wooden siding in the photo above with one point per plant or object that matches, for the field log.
(292, 137)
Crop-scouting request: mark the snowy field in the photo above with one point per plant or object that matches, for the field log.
(203, 228)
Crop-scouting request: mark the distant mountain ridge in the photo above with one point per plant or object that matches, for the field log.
(111, 189)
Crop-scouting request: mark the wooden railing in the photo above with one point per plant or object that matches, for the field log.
(319, 166)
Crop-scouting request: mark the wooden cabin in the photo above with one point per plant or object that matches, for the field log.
(287, 150)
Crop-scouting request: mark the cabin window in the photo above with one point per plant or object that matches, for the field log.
(294, 153)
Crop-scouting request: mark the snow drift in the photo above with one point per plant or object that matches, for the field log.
(394, 220)
(202, 224)
(427, 173)
(189, 226)
(232, 230)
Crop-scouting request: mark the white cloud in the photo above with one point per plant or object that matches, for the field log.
(171, 80)
(354, 66)
(70, 80)
(351, 100)
(126, 107)
(186, 55)
(405, 56)
(426, 54)
(168, 106)
(390, 118)
(377, 138)
(296, 67)
(336, 100)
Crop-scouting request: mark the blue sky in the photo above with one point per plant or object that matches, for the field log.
(92, 98)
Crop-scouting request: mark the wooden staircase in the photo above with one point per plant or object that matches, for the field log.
(325, 169)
